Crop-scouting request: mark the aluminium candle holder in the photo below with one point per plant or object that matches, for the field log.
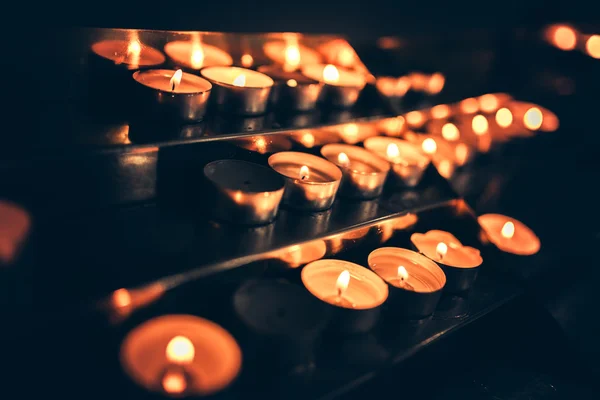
(342, 86)
(246, 193)
(292, 90)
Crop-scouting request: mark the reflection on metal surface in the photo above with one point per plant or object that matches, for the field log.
(265, 144)
(355, 132)
(386, 229)
(123, 302)
(301, 254)
(345, 240)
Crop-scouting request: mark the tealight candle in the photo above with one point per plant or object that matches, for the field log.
(460, 263)
(392, 126)
(353, 133)
(239, 90)
(290, 54)
(354, 291)
(491, 102)
(314, 137)
(415, 281)
(311, 182)
(181, 355)
(174, 94)
(342, 86)
(292, 90)
(455, 152)
(131, 54)
(196, 55)
(363, 172)
(534, 117)
(247, 193)
(509, 234)
(408, 162)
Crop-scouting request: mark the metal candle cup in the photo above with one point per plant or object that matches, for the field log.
(292, 90)
(181, 355)
(239, 90)
(342, 86)
(407, 161)
(363, 172)
(353, 293)
(247, 193)
(509, 234)
(460, 263)
(311, 182)
(175, 95)
(415, 281)
(196, 55)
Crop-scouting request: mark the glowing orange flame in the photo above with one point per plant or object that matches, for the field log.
(261, 145)
(533, 119)
(479, 124)
(462, 153)
(469, 106)
(174, 382)
(308, 140)
(392, 151)
(504, 118)
(415, 118)
(440, 111)
(134, 48)
(176, 79)
(292, 57)
(564, 38)
(508, 230)
(429, 146)
(331, 74)
(343, 159)
(240, 80)
(441, 249)
(450, 132)
(121, 298)
(292, 83)
(402, 273)
(436, 83)
(180, 350)
(488, 103)
(197, 56)
(592, 46)
(342, 282)
(247, 60)
(304, 171)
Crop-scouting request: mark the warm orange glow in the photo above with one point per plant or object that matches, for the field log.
(247, 60)
(180, 350)
(508, 230)
(331, 74)
(440, 111)
(436, 83)
(345, 56)
(134, 48)
(402, 273)
(564, 38)
(176, 79)
(174, 382)
(418, 81)
(308, 140)
(462, 153)
(121, 298)
(445, 168)
(292, 83)
(240, 80)
(350, 133)
(488, 103)
(292, 57)
(415, 118)
(504, 117)
(392, 126)
(441, 250)
(392, 151)
(342, 282)
(261, 145)
(343, 159)
(450, 132)
(469, 106)
(479, 124)
(592, 46)
(304, 171)
(197, 56)
(533, 119)
(429, 146)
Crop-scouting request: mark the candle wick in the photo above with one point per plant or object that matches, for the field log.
(173, 86)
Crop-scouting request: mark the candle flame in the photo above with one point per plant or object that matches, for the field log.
(402, 273)
(440, 111)
(121, 298)
(429, 146)
(469, 106)
(292, 83)
(592, 46)
(392, 151)
(350, 133)
(508, 230)
(261, 145)
(240, 80)
(533, 119)
(479, 124)
(343, 159)
(342, 282)
(174, 382)
(292, 57)
(247, 60)
(504, 118)
(415, 118)
(564, 38)
(450, 132)
(197, 56)
(441, 250)
(462, 153)
(134, 48)
(331, 74)
(488, 103)
(176, 79)
(180, 350)
(308, 140)
(436, 83)
(304, 171)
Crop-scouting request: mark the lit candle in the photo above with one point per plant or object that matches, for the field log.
(364, 173)
(354, 132)
(292, 90)
(460, 263)
(354, 291)
(311, 182)
(392, 87)
(195, 55)
(416, 281)
(314, 137)
(439, 149)
(407, 161)
(264, 144)
(247, 193)
(392, 126)
(290, 53)
(509, 234)
(174, 94)
(491, 102)
(181, 354)
(342, 86)
(415, 119)
(131, 54)
(239, 90)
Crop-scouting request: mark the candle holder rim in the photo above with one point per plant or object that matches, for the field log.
(421, 257)
(243, 70)
(338, 172)
(449, 265)
(280, 183)
(382, 169)
(523, 226)
(136, 74)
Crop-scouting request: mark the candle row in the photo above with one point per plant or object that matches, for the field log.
(567, 38)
